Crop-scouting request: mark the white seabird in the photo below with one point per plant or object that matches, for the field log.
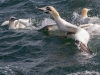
(85, 19)
(16, 24)
(80, 35)
(90, 24)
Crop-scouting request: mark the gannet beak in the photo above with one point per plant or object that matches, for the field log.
(89, 9)
(44, 9)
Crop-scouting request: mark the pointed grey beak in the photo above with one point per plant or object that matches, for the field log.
(42, 9)
(89, 9)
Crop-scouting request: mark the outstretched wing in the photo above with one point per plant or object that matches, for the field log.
(5, 23)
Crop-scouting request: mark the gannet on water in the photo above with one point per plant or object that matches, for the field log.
(85, 19)
(17, 23)
(80, 35)
(90, 24)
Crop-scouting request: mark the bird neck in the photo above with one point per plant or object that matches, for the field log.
(62, 24)
(12, 25)
(65, 26)
(84, 14)
(55, 14)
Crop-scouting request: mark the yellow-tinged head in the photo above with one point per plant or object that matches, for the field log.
(51, 10)
(85, 12)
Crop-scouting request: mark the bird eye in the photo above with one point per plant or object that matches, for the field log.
(77, 41)
(48, 8)
(12, 19)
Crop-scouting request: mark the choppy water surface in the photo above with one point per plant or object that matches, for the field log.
(31, 52)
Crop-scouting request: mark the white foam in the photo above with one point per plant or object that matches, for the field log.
(81, 20)
(87, 56)
(7, 70)
(85, 73)
(94, 29)
(75, 15)
(47, 21)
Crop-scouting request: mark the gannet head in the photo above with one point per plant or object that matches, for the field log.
(51, 10)
(85, 12)
(12, 18)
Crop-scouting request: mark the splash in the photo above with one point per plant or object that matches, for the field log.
(93, 29)
(47, 21)
(85, 73)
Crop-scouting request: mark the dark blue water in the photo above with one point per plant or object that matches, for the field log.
(31, 52)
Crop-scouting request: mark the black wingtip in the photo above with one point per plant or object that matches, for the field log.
(83, 48)
(89, 51)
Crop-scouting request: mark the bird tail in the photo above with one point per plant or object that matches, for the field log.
(82, 47)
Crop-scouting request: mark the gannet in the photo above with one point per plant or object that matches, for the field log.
(80, 35)
(85, 12)
(90, 24)
(85, 19)
(17, 23)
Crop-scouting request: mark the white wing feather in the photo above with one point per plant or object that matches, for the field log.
(5, 23)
